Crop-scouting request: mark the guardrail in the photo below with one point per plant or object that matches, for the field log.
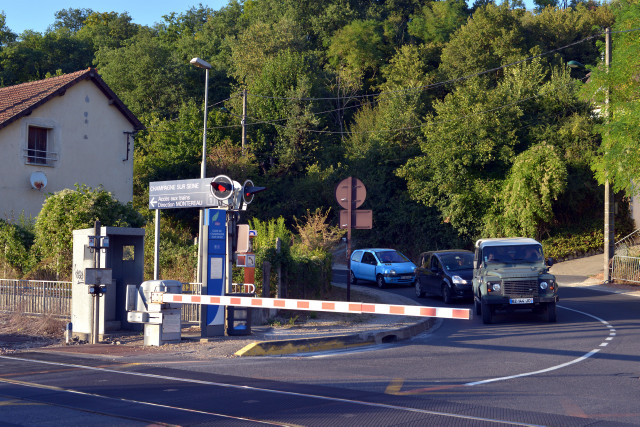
(36, 297)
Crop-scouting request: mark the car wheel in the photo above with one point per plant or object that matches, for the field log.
(419, 291)
(446, 294)
(380, 281)
(353, 278)
(550, 310)
(487, 315)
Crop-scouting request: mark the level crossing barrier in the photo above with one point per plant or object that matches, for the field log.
(315, 305)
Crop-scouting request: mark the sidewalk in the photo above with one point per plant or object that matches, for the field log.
(588, 272)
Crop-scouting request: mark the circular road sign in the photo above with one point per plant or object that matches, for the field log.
(348, 188)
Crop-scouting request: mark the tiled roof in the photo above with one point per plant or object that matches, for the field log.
(20, 100)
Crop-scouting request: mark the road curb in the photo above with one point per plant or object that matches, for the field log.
(333, 342)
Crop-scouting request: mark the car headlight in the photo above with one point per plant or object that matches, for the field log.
(458, 280)
(391, 272)
(544, 285)
(493, 287)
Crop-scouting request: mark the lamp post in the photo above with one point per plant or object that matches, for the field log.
(200, 63)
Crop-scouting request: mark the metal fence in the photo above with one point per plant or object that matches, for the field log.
(625, 265)
(191, 312)
(36, 297)
(51, 298)
(625, 268)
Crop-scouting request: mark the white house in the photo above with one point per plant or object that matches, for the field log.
(60, 131)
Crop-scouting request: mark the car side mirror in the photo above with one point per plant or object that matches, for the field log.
(434, 269)
(550, 261)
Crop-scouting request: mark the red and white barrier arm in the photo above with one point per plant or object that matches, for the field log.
(315, 305)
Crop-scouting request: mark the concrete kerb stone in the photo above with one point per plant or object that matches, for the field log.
(344, 341)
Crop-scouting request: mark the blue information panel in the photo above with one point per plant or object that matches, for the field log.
(216, 220)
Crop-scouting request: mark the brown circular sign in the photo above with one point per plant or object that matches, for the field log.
(351, 190)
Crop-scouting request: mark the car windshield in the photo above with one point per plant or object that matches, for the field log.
(454, 262)
(513, 254)
(391, 257)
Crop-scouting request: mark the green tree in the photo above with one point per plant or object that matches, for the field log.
(6, 35)
(618, 157)
(145, 74)
(357, 51)
(16, 239)
(71, 19)
(109, 30)
(476, 135)
(35, 56)
(438, 20)
(525, 205)
(493, 37)
(261, 42)
(278, 92)
(68, 210)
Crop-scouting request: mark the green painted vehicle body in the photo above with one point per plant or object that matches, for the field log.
(511, 274)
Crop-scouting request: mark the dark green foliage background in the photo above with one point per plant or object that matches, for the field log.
(400, 94)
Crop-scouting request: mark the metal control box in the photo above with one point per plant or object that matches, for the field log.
(162, 321)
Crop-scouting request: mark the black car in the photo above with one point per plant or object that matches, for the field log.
(448, 273)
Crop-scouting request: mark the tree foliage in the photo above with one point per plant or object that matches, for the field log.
(616, 91)
(450, 115)
(69, 210)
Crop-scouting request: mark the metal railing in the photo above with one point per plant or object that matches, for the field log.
(625, 268)
(191, 312)
(53, 298)
(628, 243)
(36, 297)
(625, 265)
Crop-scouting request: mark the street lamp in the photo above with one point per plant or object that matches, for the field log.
(201, 63)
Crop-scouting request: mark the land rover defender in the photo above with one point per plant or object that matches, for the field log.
(511, 274)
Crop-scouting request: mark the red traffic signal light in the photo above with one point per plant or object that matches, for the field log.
(248, 190)
(222, 187)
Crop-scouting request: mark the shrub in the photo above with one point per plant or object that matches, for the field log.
(16, 240)
(69, 210)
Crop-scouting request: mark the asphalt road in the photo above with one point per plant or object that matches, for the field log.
(582, 370)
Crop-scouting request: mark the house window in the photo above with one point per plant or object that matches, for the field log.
(37, 146)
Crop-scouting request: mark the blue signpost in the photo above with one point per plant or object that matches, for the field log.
(215, 221)
(219, 231)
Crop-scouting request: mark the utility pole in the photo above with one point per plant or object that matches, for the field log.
(609, 207)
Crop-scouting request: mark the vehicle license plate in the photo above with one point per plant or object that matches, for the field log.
(521, 301)
(405, 277)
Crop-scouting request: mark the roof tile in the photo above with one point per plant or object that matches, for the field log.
(19, 100)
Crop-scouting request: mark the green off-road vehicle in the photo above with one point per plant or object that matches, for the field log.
(511, 274)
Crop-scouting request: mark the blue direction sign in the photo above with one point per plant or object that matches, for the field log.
(185, 193)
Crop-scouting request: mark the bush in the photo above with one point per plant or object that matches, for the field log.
(69, 210)
(15, 242)
(178, 252)
(304, 259)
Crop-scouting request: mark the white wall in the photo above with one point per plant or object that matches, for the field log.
(88, 137)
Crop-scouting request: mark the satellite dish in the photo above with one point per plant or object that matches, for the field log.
(38, 180)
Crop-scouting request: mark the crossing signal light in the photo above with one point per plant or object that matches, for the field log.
(248, 190)
(222, 187)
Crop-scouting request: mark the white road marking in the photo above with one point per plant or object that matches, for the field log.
(238, 387)
(553, 368)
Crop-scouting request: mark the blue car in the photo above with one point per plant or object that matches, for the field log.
(383, 266)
